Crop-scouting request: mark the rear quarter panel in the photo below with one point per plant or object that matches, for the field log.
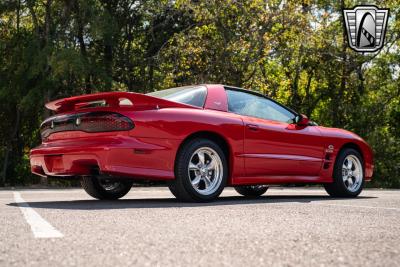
(169, 128)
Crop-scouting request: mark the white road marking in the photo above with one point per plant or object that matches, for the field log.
(358, 206)
(39, 226)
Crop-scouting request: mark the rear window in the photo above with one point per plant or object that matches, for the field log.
(191, 95)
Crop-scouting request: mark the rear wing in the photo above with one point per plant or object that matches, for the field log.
(113, 99)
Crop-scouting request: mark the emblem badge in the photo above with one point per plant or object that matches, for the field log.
(366, 27)
(330, 149)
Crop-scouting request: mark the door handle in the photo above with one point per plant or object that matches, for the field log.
(252, 127)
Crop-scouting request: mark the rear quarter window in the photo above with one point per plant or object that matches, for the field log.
(190, 95)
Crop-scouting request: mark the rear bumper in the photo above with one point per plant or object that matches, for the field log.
(114, 155)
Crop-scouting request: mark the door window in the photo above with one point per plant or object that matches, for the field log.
(248, 104)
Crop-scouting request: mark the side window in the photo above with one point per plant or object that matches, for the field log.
(256, 106)
(191, 95)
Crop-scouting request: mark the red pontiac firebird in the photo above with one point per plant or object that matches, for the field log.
(199, 139)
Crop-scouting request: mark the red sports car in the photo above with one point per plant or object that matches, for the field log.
(199, 139)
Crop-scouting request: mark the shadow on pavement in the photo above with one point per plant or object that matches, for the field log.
(173, 203)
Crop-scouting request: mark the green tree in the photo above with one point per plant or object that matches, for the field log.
(293, 51)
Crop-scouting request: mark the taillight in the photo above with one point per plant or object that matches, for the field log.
(100, 121)
(107, 122)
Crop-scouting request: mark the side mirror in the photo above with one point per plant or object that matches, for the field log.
(302, 120)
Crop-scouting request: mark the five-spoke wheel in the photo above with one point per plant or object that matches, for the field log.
(205, 170)
(352, 173)
(348, 174)
(200, 170)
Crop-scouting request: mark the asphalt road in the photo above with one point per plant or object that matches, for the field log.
(148, 227)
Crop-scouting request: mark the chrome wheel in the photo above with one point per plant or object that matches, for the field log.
(205, 170)
(352, 173)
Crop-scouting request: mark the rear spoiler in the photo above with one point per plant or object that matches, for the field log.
(113, 99)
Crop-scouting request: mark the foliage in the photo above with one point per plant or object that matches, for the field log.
(293, 51)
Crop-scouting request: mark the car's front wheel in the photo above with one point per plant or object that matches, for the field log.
(251, 191)
(200, 171)
(348, 175)
(105, 189)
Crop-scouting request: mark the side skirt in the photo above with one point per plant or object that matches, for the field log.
(284, 179)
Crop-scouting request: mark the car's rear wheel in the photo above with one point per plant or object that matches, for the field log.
(251, 190)
(348, 175)
(105, 189)
(200, 171)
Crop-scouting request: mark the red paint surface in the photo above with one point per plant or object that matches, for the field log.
(260, 151)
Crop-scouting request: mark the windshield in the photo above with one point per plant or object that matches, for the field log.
(191, 95)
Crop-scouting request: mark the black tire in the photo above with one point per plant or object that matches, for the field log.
(251, 191)
(172, 189)
(182, 187)
(338, 187)
(95, 187)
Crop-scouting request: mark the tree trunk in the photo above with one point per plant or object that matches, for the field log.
(30, 5)
(9, 147)
(309, 107)
(108, 58)
(108, 48)
(338, 98)
(5, 165)
(18, 15)
(82, 47)
(47, 22)
(151, 77)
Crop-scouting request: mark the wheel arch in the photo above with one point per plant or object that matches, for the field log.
(215, 137)
(354, 146)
